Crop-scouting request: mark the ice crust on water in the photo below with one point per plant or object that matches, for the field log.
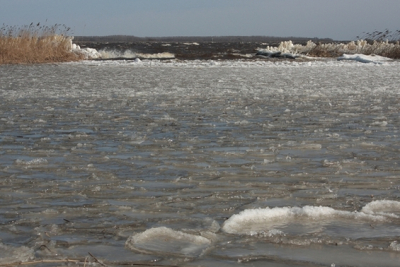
(389, 208)
(155, 143)
(167, 241)
(13, 255)
(232, 64)
(251, 221)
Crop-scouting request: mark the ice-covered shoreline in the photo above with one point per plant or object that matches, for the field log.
(354, 60)
(360, 51)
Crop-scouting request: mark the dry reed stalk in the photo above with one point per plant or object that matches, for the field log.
(35, 44)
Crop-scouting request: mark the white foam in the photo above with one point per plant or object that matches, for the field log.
(88, 53)
(164, 55)
(167, 241)
(106, 53)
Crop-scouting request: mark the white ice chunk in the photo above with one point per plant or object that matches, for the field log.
(365, 58)
(167, 241)
(252, 221)
(383, 207)
(88, 53)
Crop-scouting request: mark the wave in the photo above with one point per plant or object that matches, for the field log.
(128, 54)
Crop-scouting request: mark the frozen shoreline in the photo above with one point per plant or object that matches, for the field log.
(238, 50)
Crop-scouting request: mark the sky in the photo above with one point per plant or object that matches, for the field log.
(336, 19)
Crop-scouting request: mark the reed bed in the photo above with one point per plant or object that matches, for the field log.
(390, 49)
(381, 48)
(36, 44)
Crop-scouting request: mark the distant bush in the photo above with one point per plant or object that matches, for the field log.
(35, 44)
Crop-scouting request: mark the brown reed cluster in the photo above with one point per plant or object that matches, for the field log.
(35, 43)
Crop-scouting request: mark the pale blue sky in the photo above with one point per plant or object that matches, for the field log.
(337, 19)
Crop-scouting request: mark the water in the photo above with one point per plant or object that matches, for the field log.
(200, 163)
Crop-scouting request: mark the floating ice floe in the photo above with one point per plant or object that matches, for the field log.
(365, 58)
(388, 208)
(309, 219)
(163, 240)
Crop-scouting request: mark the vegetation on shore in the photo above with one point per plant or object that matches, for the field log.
(382, 43)
(36, 44)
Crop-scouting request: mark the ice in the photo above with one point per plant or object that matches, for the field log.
(365, 58)
(354, 50)
(10, 255)
(383, 207)
(88, 53)
(163, 152)
(33, 162)
(107, 53)
(167, 241)
(394, 246)
(251, 221)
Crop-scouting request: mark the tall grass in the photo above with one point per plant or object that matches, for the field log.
(36, 44)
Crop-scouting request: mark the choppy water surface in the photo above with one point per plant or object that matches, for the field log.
(200, 163)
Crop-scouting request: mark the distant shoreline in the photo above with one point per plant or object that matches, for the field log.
(203, 39)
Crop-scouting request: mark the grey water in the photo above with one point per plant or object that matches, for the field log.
(200, 163)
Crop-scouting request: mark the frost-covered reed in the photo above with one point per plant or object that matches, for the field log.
(36, 44)
(371, 47)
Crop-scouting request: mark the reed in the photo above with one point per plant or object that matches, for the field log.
(381, 48)
(383, 43)
(36, 44)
